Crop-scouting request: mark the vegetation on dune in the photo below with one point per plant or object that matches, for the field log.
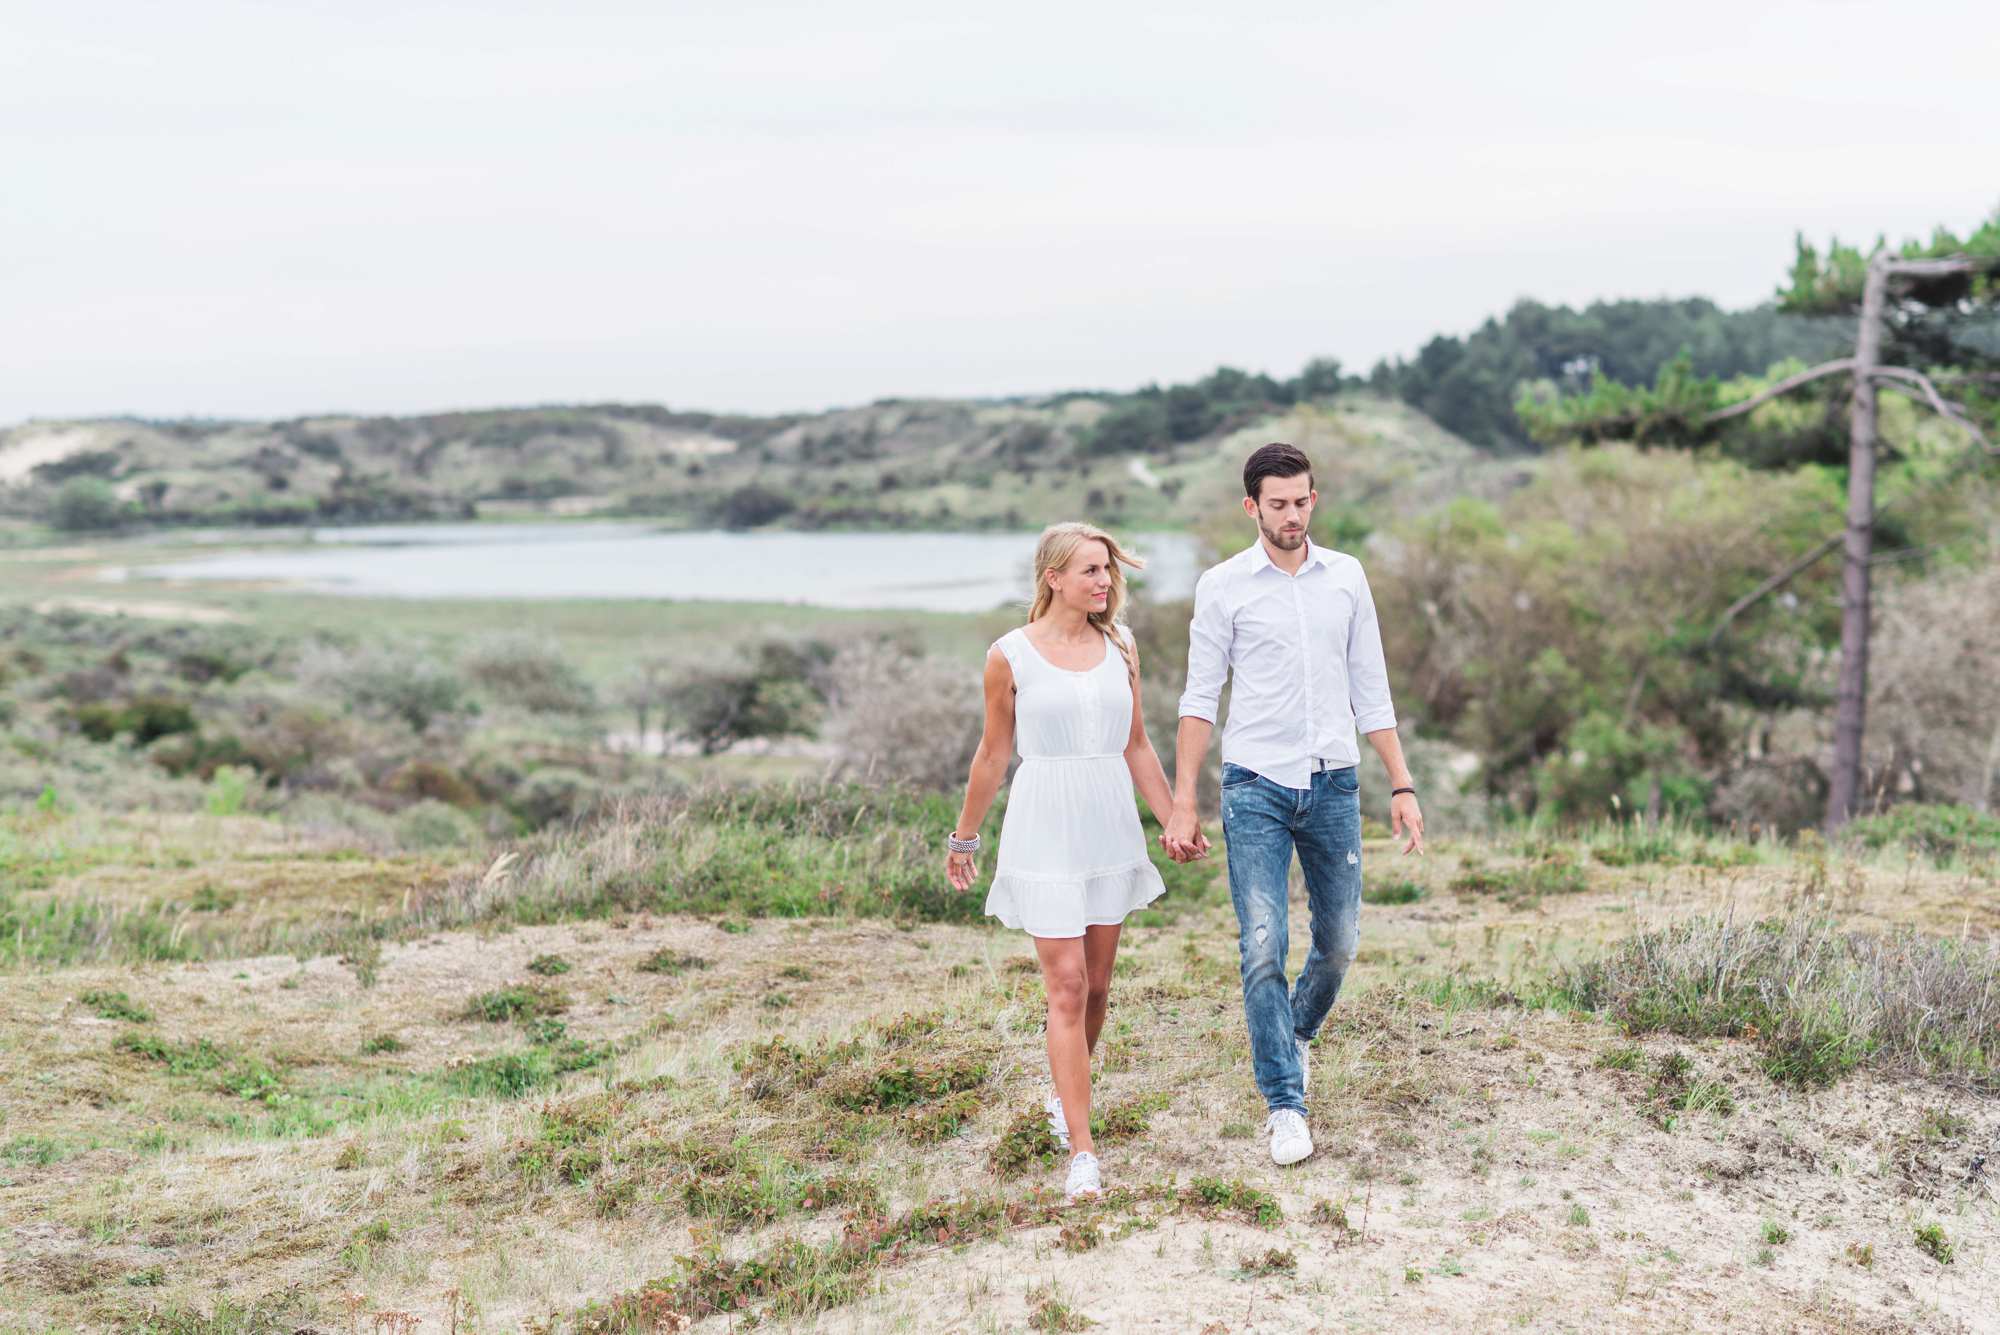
(1817, 1000)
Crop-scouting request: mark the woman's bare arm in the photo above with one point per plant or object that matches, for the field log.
(1148, 775)
(989, 762)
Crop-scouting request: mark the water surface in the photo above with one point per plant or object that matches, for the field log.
(936, 572)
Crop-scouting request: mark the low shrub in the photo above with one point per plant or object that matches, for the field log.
(1819, 1001)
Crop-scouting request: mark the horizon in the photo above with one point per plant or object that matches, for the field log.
(1027, 396)
(224, 212)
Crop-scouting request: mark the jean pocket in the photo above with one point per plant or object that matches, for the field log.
(1235, 776)
(1347, 780)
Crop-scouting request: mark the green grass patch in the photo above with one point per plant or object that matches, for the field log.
(1945, 834)
(116, 1006)
(509, 1075)
(179, 1058)
(900, 1081)
(1026, 1144)
(31, 1151)
(926, 1124)
(1523, 887)
(515, 1002)
(1217, 1198)
(1403, 891)
(671, 962)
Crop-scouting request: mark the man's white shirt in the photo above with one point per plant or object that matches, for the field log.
(1306, 655)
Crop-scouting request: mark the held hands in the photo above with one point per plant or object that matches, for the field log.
(1183, 838)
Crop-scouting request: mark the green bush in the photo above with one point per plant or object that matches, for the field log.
(146, 717)
(432, 825)
(754, 505)
(85, 503)
(228, 790)
(777, 692)
(1608, 767)
(409, 685)
(530, 673)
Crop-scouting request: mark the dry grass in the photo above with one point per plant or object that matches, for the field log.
(842, 1162)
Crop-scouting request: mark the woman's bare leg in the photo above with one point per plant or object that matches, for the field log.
(1100, 952)
(1066, 979)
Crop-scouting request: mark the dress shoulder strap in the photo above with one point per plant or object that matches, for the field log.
(1010, 648)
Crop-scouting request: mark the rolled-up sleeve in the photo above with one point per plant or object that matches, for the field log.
(1367, 671)
(1208, 648)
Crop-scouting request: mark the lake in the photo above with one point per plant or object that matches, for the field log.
(935, 572)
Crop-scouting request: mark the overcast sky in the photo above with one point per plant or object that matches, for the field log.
(270, 209)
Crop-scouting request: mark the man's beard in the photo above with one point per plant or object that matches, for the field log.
(1282, 542)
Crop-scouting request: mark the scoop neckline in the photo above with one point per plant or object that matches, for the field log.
(1074, 672)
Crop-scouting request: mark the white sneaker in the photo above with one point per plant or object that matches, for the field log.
(1058, 1126)
(1304, 1049)
(1290, 1141)
(1083, 1177)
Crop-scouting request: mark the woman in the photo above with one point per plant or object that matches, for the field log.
(1072, 858)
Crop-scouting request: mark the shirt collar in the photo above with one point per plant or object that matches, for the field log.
(1315, 555)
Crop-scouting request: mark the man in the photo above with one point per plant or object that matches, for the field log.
(1294, 624)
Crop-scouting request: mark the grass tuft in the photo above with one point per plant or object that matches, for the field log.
(1394, 892)
(671, 962)
(116, 1006)
(516, 1002)
(1932, 1242)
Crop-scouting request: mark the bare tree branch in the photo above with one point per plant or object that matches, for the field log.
(1785, 386)
(1938, 268)
(1951, 412)
(1774, 583)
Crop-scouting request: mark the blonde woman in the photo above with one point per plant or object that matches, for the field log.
(1072, 859)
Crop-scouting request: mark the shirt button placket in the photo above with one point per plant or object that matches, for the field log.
(1306, 668)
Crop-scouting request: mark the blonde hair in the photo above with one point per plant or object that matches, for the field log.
(1058, 544)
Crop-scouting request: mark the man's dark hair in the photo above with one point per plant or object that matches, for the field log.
(1274, 460)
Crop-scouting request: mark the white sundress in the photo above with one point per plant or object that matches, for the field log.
(1072, 854)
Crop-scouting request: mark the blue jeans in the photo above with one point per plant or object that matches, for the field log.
(1262, 822)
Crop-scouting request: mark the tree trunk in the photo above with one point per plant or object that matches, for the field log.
(1851, 704)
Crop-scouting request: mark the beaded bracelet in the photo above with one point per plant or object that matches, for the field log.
(958, 845)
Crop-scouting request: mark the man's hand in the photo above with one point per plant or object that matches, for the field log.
(1406, 818)
(1183, 838)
